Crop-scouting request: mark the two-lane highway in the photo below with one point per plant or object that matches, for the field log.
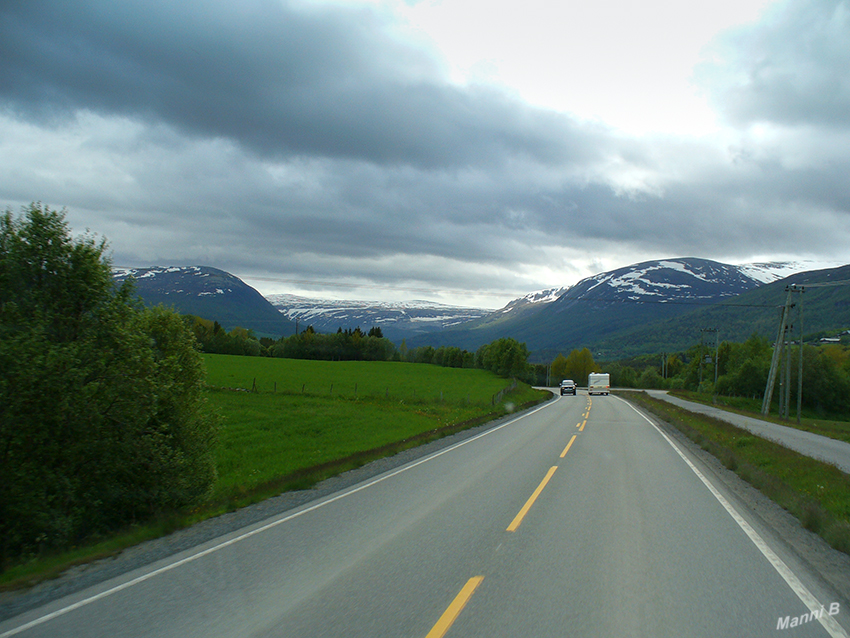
(579, 518)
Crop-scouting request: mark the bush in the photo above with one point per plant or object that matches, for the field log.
(101, 419)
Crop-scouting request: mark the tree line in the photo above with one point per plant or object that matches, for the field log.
(505, 357)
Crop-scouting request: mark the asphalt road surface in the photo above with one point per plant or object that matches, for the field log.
(579, 518)
(814, 445)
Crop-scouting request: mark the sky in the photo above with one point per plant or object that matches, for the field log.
(460, 151)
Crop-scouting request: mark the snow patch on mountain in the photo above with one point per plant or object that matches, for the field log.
(768, 272)
(539, 297)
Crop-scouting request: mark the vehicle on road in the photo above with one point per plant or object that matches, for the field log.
(598, 383)
(568, 386)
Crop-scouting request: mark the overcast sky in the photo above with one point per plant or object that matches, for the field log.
(454, 150)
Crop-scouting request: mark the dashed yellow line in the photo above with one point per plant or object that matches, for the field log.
(518, 519)
(567, 449)
(453, 611)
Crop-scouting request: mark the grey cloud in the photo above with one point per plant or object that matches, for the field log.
(277, 79)
(790, 68)
(262, 137)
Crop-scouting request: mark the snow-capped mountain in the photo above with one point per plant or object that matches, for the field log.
(209, 293)
(534, 298)
(667, 280)
(397, 320)
(612, 302)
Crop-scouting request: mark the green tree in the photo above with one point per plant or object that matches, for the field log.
(101, 404)
(579, 364)
(558, 369)
(506, 357)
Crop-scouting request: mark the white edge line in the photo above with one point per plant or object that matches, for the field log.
(829, 623)
(267, 526)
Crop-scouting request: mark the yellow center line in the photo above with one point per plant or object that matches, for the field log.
(578, 425)
(516, 522)
(567, 449)
(583, 423)
(453, 611)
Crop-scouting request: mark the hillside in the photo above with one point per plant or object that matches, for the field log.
(209, 293)
(756, 311)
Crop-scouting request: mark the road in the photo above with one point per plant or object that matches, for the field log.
(814, 445)
(579, 518)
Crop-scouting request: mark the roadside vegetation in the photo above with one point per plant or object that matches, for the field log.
(102, 417)
(288, 424)
(817, 493)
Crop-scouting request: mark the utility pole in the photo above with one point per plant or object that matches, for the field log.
(702, 357)
(776, 361)
(800, 370)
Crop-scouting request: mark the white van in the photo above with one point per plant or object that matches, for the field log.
(598, 383)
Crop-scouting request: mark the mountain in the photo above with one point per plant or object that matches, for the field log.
(209, 293)
(397, 320)
(826, 307)
(603, 306)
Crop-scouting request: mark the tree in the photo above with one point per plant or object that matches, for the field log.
(101, 404)
(506, 357)
(579, 364)
(558, 369)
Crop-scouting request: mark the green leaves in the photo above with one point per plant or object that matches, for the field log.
(102, 419)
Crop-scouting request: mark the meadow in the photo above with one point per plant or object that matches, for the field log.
(287, 423)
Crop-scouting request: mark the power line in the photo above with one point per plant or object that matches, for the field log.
(826, 284)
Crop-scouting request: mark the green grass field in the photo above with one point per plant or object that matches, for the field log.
(304, 414)
(397, 380)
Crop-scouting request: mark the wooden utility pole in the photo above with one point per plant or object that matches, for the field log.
(776, 361)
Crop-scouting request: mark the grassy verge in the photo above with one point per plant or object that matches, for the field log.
(817, 493)
(833, 428)
(304, 421)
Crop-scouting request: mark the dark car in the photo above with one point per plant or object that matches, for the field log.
(568, 386)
